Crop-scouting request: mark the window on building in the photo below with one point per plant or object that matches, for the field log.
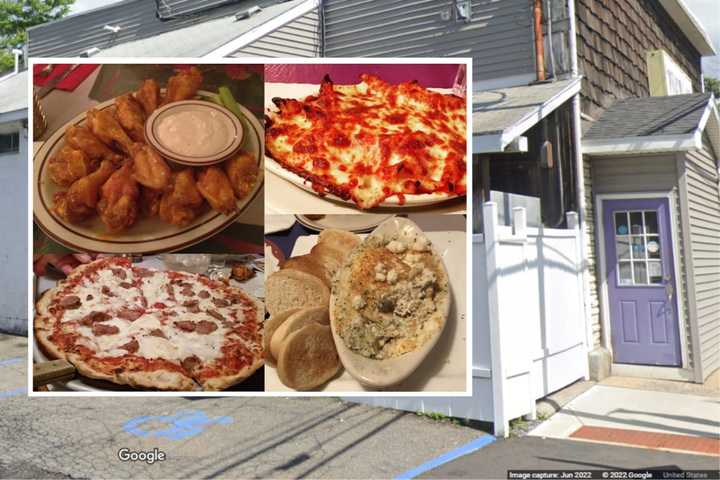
(9, 142)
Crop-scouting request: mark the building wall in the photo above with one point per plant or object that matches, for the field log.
(299, 38)
(639, 173)
(499, 37)
(703, 192)
(13, 235)
(613, 37)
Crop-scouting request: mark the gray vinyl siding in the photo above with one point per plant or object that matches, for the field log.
(703, 192)
(636, 174)
(299, 38)
(592, 270)
(499, 37)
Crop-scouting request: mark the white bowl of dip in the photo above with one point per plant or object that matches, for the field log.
(194, 132)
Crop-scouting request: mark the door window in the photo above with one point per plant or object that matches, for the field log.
(638, 249)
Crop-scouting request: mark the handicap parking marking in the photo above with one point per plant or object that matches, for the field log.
(462, 450)
(184, 424)
(14, 392)
(12, 361)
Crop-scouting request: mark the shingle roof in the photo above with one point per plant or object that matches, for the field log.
(650, 116)
(13, 92)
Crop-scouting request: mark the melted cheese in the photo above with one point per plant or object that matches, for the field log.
(371, 141)
(177, 345)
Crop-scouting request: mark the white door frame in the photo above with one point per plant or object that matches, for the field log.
(673, 373)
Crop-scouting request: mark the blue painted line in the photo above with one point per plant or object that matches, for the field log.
(184, 424)
(469, 447)
(14, 392)
(12, 361)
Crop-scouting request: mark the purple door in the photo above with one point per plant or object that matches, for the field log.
(641, 282)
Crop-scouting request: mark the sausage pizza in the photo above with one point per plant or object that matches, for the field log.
(151, 329)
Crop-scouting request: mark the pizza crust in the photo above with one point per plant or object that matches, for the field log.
(227, 381)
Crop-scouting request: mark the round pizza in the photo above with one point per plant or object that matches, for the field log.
(150, 328)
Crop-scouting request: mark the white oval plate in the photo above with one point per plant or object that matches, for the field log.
(147, 235)
(386, 373)
(411, 200)
(352, 223)
(231, 143)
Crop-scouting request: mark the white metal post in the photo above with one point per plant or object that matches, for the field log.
(490, 227)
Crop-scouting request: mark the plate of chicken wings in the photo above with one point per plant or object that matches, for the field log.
(100, 187)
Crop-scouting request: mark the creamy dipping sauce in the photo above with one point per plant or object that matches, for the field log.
(193, 132)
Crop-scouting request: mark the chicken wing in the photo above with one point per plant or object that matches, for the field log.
(215, 187)
(118, 205)
(183, 85)
(182, 202)
(149, 168)
(150, 201)
(80, 138)
(104, 126)
(68, 165)
(79, 202)
(242, 172)
(131, 116)
(148, 95)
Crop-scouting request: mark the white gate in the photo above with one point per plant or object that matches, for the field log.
(529, 336)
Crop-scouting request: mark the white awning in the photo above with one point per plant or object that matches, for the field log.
(501, 116)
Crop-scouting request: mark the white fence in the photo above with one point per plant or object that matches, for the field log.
(529, 336)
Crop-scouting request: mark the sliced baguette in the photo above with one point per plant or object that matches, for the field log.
(308, 358)
(309, 264)
(271, 325)
(294, 322)
(288, 289)
(340, 239)
(330, 257)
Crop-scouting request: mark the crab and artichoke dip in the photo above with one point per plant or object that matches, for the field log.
(390, 295)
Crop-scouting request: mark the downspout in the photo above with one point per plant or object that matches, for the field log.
(539, 42)
(580, 179)
(321, 28)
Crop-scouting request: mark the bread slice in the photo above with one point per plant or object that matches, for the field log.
(330, 257)
(296, 321)
(271, 325)
(288, 289)
(308, 358)
(340, 239)
(309, 264)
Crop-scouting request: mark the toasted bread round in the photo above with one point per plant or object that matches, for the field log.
(309, 264)
(308, 358)
(288, 289)
(330, 257)
(295, 322)
(272, 324)
(340, 239)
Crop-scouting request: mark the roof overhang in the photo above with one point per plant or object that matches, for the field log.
(690, 26)
(264, 29)
(506, 136)
(14, 116)
(709, 124)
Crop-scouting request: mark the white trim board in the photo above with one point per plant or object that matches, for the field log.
(496, 142)
(600, 267)
(264, 29)
(648, 144)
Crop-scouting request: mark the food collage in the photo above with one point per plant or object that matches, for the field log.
(249, 229)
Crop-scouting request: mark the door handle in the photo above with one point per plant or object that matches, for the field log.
(669, 289)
